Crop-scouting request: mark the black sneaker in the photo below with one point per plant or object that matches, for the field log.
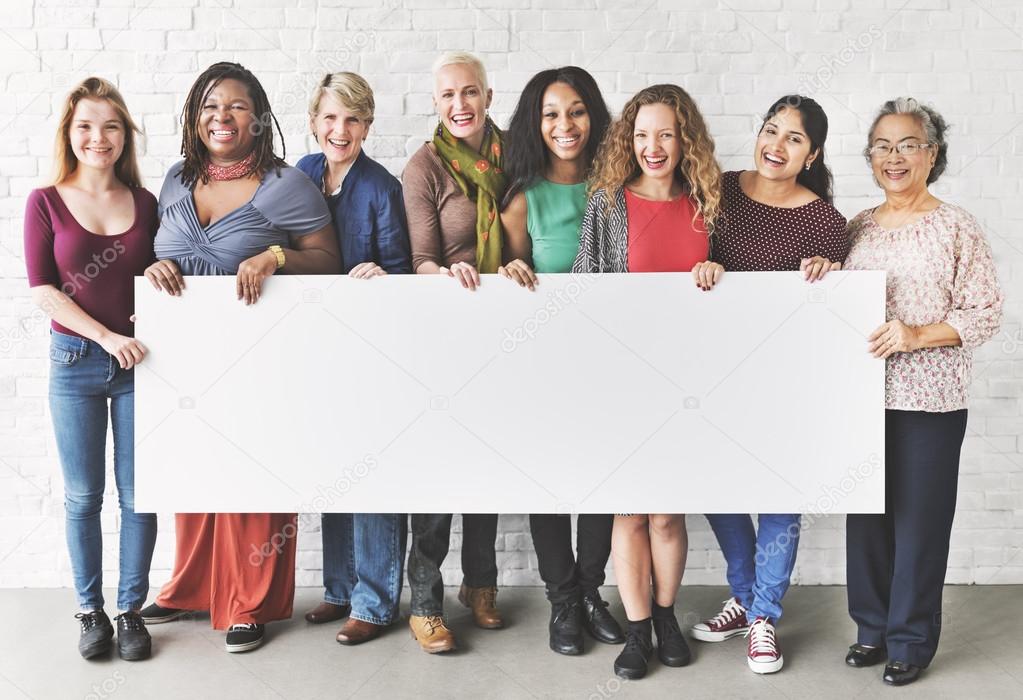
(153, 614)
(133, 640)
(672, 649)
(632, 662)
(600, 623)
(566, 628)
(244, 637)
(96, 633)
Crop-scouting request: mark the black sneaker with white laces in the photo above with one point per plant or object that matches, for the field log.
(154, 614)
(244, 637)
(97, 633)
(133, 640)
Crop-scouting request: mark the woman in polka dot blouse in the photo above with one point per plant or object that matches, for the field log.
(776, 217)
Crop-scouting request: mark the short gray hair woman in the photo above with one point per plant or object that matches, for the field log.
(943, 300)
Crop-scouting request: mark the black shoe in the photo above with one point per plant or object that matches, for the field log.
(133, 640)
(900, 673)
(598, 622)
(566, 628)
(672, 649)
(244, 637)
(96, 633)
(632, 662)
(861, 656)
(153, 614)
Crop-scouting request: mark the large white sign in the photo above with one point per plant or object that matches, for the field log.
(593, 394)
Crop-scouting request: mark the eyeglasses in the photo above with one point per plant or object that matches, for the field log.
(904, 149)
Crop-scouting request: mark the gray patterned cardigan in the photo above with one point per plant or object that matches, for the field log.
(603, 235)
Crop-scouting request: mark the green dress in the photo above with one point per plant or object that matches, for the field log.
(554, 213)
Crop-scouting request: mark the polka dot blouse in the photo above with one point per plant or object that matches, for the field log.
(757, 237)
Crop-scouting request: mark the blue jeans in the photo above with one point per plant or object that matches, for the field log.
(84, 381)
(363, 559)
(759, 563)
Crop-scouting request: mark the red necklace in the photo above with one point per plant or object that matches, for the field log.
(234, 171)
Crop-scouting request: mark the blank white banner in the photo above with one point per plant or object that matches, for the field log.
(593, 394)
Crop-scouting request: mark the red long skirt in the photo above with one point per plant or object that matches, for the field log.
(239, 566)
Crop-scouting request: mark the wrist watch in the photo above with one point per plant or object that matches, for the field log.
(279, 254)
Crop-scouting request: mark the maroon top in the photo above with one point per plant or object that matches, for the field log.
(98, 272)
(663, 236)
(758, 237)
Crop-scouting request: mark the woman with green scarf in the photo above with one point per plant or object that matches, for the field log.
(452, 187)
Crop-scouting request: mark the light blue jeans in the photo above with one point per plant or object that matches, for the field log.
(86, 382)
(363, 560)
(760, 562)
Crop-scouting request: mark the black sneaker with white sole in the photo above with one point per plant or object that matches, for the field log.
(153, 614)
(133, 640)
(244, 637)
(97, 633)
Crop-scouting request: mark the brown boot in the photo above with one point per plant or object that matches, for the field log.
(357, 631)
(483, 603)
(432, 634)
(327, 612)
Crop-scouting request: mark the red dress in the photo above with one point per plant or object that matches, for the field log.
(664, 236)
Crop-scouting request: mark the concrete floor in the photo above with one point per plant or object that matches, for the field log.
(39, 659)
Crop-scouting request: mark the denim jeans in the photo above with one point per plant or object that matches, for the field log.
(431, 533)
(759, 563)
(363, 560)
(84, 381)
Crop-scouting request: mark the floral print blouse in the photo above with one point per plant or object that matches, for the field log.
(939, 270)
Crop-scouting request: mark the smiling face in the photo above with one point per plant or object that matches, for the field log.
(96, 134)
(901, 173)
(339, 132)
(227, 123)
(564, 122)
(656, 140)
(460, 101)
(783, 149)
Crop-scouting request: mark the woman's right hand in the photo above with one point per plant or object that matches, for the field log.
(520, 272)
(706, 274)
(128, 351)
(464, 273)
(165, 275)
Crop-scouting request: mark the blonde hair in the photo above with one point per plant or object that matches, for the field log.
(350, 89)
(616, 164)
(126, 169)
(456, 58)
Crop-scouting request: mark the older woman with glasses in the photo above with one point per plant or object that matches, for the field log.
(943, 300)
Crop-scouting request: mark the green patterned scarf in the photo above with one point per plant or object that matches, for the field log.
(481, 178)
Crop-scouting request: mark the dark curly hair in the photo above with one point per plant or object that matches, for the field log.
(526, 155)
(194, 150)
(933, 123)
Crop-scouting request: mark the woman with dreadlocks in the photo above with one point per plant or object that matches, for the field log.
(233, 207)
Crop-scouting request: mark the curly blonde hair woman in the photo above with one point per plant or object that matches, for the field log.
(654, 198)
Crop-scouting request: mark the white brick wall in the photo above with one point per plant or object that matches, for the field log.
(735, 56)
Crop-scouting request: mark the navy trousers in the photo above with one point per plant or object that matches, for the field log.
(896, 562)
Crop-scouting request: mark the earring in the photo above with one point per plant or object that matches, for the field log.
(809, 164)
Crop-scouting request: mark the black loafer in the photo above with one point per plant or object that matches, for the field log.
(598, 622)
(900, 673)
(862, 656)
(566, 628)
(97, 633)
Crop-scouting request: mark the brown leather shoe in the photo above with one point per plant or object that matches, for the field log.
(432, 634)
(483, 603)
(358, 631)
(327, 612)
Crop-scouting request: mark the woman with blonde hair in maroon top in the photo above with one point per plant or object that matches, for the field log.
(655, 196)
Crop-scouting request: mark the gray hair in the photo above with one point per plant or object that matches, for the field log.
(934, 126)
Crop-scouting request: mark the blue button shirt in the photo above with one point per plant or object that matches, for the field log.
(368, 212)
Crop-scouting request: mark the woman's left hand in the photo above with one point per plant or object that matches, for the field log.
(363, 271)
(251, 273)
(894, 336)
(815, 268)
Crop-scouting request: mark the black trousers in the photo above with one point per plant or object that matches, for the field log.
(567, 575)
(431, 535)
(896, 562)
